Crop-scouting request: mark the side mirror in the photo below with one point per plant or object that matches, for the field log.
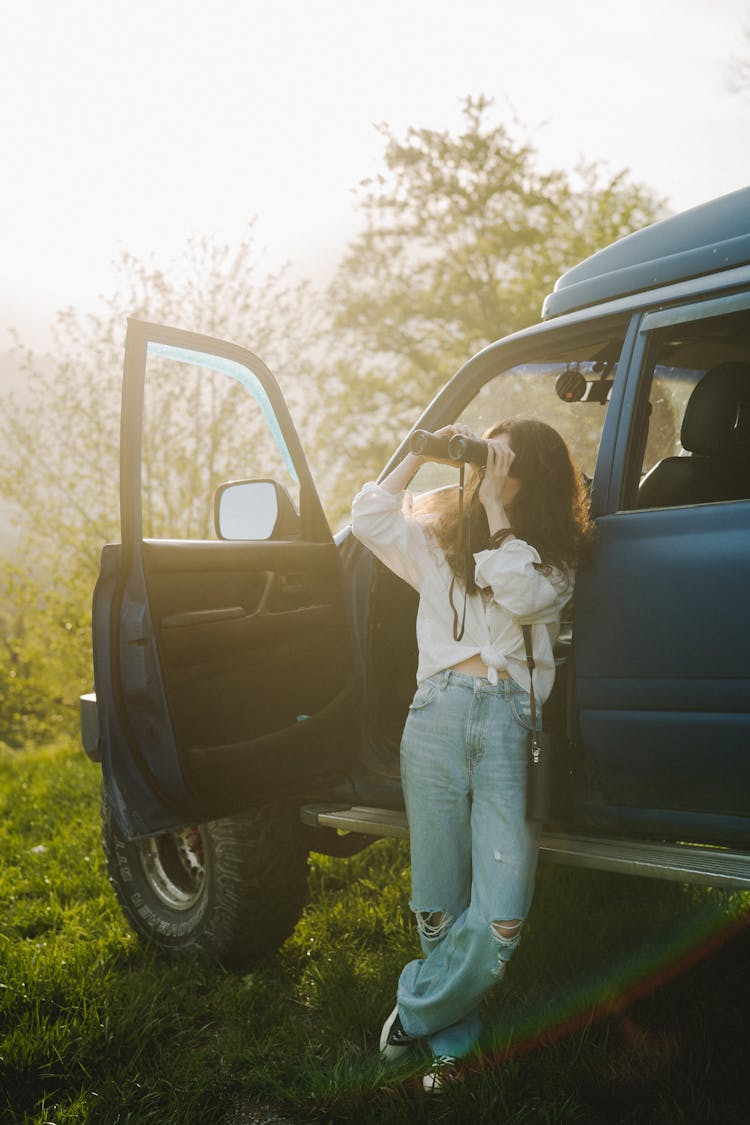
(254, 510)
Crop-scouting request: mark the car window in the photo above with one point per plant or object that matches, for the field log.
(692, 432)
(671, 388)
(569, 391)
(207, 420)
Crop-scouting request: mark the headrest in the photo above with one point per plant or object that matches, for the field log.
(717, 416)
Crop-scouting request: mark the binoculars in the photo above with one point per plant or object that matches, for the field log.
(449, 447)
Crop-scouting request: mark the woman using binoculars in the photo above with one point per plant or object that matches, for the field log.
(486, 559)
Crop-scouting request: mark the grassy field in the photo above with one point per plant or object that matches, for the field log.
(627, 1000)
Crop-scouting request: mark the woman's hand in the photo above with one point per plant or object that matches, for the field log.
(498, 487)
(400, 477)
(448, 431)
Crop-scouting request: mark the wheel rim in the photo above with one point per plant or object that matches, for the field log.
(174, 866)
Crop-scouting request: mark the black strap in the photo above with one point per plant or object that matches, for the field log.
(531, 665)
(462, 549)
(458, 631)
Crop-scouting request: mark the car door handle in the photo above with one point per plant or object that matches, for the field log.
(291, 583)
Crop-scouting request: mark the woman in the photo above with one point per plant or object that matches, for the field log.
(482, 570)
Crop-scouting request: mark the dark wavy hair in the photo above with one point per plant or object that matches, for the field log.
(550, 510)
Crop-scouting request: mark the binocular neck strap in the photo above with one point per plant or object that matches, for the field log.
(464, 520)
(531, 664)
(458, 630)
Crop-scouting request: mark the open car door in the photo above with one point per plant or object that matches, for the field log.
(223, 663)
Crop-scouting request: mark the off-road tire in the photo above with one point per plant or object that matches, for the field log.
(231, 889)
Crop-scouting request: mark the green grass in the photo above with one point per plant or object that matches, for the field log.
(626, 1001)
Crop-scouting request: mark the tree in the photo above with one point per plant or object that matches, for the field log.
(463, 237)
(59, 459)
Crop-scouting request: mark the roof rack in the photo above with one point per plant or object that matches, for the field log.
(712, 237)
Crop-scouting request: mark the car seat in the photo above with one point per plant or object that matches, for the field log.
(716, 433)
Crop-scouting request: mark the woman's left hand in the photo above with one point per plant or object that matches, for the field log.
(498, 487)
(499, 460)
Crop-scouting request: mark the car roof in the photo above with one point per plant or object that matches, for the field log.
(714, 236)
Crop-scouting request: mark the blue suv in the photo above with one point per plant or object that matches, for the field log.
(253, 671)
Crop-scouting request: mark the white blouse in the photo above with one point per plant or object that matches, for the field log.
(513, 592)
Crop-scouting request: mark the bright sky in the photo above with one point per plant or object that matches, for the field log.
(134, 124)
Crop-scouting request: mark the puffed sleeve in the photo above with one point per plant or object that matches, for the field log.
(530, 595)
(382, 520)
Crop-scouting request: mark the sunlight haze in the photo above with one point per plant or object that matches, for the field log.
(136, 125)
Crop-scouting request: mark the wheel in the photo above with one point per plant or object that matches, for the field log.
(230, 889)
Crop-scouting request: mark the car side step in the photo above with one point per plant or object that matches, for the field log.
(367, 821)
(683, 863)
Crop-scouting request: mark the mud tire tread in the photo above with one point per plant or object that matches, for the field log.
(254, 891)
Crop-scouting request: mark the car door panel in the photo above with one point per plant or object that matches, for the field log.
(253, 595)
(663, 668)
(143, 779)
(662, 659)
(280, 654)
(228, 679)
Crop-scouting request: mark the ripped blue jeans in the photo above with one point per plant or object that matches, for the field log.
(473, 853)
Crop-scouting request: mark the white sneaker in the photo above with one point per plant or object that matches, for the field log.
(394, 1042)
(442, 1073)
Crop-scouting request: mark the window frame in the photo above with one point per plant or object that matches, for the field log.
(628, 454)
(524, 347)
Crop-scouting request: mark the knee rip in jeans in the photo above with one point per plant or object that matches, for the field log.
(507, 935)
(433, 924)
